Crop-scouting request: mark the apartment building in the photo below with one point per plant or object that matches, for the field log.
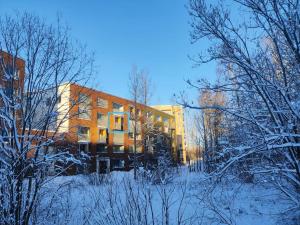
(102, 125)
(96, 123)
(178, 113)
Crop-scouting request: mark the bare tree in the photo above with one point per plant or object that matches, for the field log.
(263, 54)
(134, 89)
(33, 108)
(140, 87)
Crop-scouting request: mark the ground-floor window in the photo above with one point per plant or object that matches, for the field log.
(101, 148)
(83, 147)
(118, 148)
(131, 149)
(118, 163)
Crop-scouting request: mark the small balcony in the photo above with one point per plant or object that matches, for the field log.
(118, 138)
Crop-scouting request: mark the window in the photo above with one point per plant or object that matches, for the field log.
(158, 118)
(102, 138)
(130, 135)
(118, 148)
(117, 107)
(166, 125)
(148, 114)
(166, 120)
(131, 149)
(139, 149)
(131, 111)
(100, 148)
(83, 134)
(84, 107)
(119, 123)
(138, 127)
(118, 163)
(101, 120)
(102, 103)
(83, 147)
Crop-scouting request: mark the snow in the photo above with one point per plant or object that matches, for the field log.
(189, 199)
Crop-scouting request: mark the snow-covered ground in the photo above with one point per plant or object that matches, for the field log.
(189, 199)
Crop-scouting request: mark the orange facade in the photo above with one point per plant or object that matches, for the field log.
(112, 139)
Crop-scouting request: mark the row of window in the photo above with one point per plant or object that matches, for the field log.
(100, 102)
(84, 109)
(118, 138)
(102, 148)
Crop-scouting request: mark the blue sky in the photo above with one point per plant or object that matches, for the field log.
(153, 35)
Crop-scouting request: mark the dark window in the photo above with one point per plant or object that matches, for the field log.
(100, 148)
(118, 164)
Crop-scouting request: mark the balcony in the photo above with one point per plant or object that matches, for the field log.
(118, 138)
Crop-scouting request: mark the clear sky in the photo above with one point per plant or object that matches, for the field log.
(152, 34)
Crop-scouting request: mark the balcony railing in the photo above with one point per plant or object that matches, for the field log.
(118, 139)
(118, 126)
